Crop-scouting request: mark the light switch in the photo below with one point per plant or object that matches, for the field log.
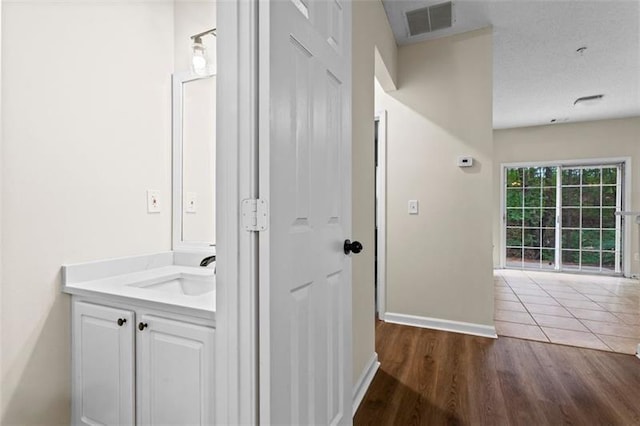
(413, 206)
(153, 201)
(190, 202)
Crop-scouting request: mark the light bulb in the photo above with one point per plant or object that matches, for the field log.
(199, 59)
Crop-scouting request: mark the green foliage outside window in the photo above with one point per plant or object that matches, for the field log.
(589, 199)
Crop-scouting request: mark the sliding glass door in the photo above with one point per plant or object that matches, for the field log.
(563, 218)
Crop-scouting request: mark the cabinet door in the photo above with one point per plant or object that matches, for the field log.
(103, 365)
(175, 372)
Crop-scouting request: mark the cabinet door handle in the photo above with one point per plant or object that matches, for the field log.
(122, 321)
(142, 326)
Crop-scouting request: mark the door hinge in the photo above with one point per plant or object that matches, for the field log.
(255, 215)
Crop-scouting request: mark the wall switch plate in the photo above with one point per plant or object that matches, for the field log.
(413, 206)
(636, 257)
(153, 201)
(190, 202)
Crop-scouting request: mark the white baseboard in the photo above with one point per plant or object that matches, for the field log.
(364, 381)
(442, 324)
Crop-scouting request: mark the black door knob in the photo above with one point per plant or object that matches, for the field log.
(352, 247)
(121, 321)
(142, 326)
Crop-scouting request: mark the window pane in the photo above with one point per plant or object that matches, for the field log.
(532, 218)
(532, 197)
(610, 175)
(514, 178)
(549, 218)
(609, 218)
(570, 197)
(590, 240)
(591, 258)
(514, 237)
(514, 257)
(532, 257)
(548, 259)
(609, 196)
(549, 176)
(571, 218)
(514, 217)
(549, 238)
(591, 176)
(514, 197)
(609, 240)
(609, 261)
(571, 177)
(570, 239)
(591, 196)
(570, 258)
(532, 177)
(549, 197)
(531, 238)
(591, 217)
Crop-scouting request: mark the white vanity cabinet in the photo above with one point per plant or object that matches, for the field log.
(136, 366)
(103, 365)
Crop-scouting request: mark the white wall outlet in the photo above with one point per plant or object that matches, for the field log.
(465, 161)
(153, 201)
(190, 202)
(636, 257)
(413, 206)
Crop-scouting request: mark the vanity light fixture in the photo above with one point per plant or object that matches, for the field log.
(199, 60)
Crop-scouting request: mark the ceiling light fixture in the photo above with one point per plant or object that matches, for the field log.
(199, 59)
(588, 100)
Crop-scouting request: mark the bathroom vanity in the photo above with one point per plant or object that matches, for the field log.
(142, 340)
(143, 327)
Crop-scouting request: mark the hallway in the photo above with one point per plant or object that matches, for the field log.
(430, 377)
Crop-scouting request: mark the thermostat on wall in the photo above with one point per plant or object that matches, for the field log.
(465, 161)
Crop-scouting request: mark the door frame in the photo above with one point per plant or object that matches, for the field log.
(626, 203)
(236, 396)
(381, 213)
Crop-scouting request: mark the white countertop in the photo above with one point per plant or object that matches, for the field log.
(127, 279)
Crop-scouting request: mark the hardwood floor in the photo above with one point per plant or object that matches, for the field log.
(430, 377)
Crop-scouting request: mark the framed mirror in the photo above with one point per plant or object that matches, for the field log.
(194, 161)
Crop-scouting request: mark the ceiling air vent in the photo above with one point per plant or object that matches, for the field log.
(431, 18)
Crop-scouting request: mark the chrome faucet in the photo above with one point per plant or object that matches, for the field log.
(207, 260)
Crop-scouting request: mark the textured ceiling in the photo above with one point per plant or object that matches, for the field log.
(538, 73)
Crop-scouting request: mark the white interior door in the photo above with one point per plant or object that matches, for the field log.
(305, 175)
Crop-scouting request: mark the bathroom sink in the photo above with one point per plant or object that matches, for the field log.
(183, 285)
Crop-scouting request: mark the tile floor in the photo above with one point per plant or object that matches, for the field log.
(577, 310)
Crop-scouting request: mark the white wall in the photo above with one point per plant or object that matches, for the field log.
(372, 37)
(439, 262)
(575, 141)
(86, 107)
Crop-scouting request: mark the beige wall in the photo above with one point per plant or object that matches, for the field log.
(576, 141)
(371, 34)
(439, 262)
(86, 107)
